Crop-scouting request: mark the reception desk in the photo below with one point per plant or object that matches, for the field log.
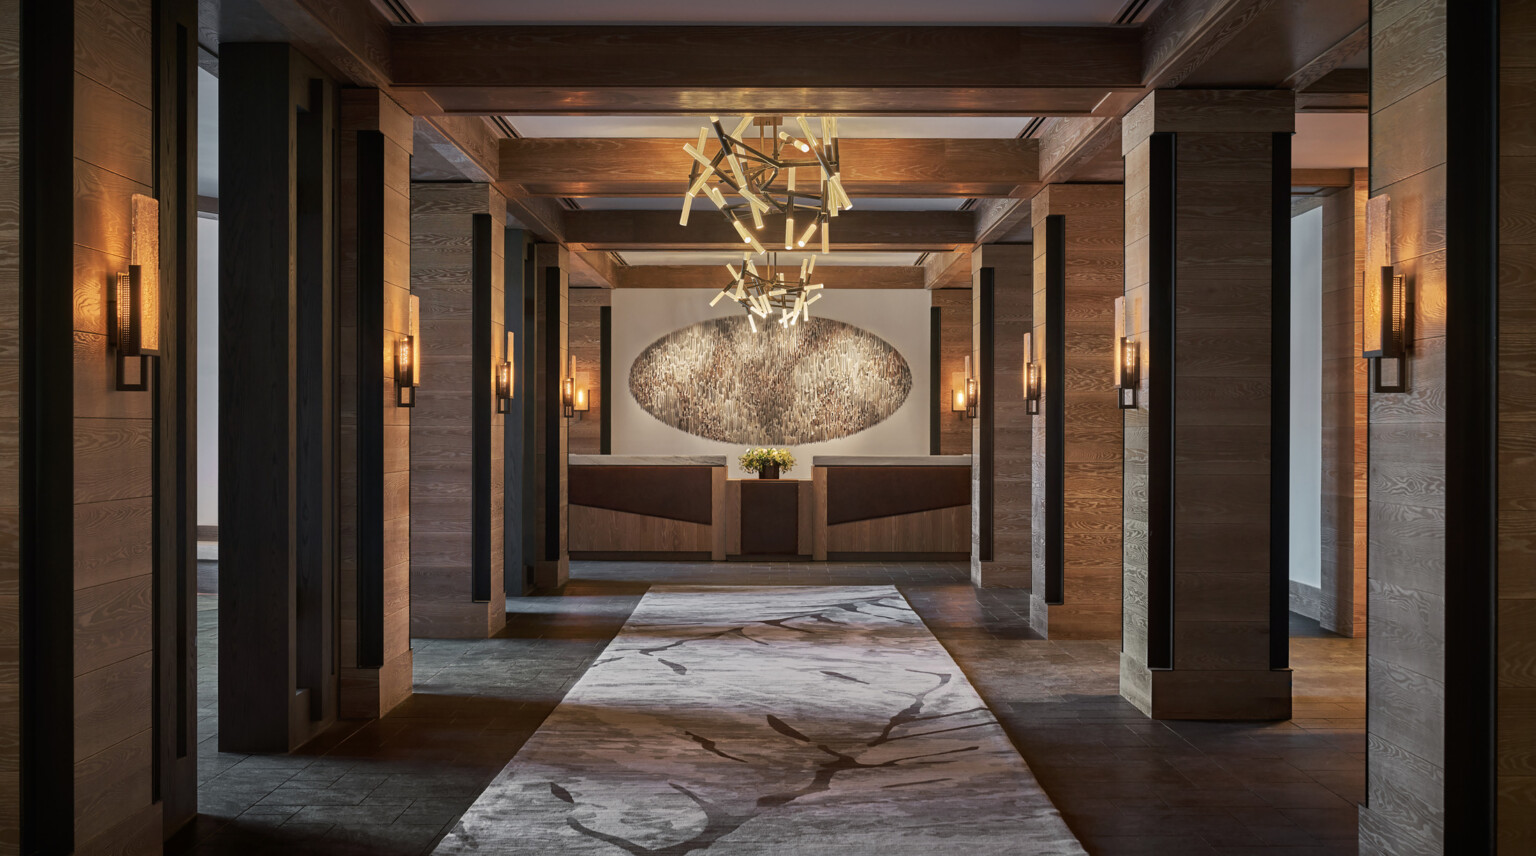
(892, 507)
(658, 507)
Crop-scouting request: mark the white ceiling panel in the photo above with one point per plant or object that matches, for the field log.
(779, 12)
(685, 127)
(702, 257)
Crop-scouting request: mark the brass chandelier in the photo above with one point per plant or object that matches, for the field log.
(766, 178)
(761, 292)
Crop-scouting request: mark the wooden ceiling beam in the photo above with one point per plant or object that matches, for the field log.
(947, 270)
(853, 230)
(595, 270)
(844, 69)
(871, 167)
(714, 276)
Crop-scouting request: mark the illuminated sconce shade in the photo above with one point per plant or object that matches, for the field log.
(568, 389)
(504, 378)
(1384, 295)
(963, 387)
(1031, 378)
(134, 299)
(408, 357)
(1127, 377)
(583, 402)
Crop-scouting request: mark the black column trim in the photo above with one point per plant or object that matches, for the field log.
(1055, 407)
(1471, 438)
(605, 377)
(370, 398)
(987, 391)
(47, 428)
(481, 405)
(554, 370)
(935, 367)
(1162, 231)
(515, 468)
(1280, 405)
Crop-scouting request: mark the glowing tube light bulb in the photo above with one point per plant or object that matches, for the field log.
(757, 216)
(741, 230)
(755, 245)
(687, 206)
(741, 126)
(826, 237)
(789, 231)
(809, 231)
(717, 297)
(810, 266)
(752, 321)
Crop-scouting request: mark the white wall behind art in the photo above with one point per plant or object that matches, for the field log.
(1307, 397)
(643, 315)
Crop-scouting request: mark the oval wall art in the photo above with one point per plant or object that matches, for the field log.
(782, 386)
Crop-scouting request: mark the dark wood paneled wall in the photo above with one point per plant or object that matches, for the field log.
(444, 517)
(586, 347)
(1516, 771)
(551, 438)
(275, 418)
(1345, 422)
(1091, 445)
(11, 736)
(374, 249)
(954, 305)
(1013, 279)
(1404, 811)
(1207, 252)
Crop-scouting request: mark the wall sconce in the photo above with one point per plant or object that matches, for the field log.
(504, 378)
(408, 357)
(963, 387)
(133, 302)
(1031, 378)
(1384, 294)
(583, 401)
(568, 388)
(1127, 378)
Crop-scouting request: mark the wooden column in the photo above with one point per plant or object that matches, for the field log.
(587, 306)
(374, 214)
(1012, 276)
(458, 237)
(551, 437)
(1078, 439)
(1345, 442)
(954, 306)
(277, 659)
(1207, 200)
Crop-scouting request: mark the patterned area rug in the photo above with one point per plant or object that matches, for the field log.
(752, 720)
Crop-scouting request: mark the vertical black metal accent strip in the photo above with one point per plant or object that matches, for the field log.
(311, 369)
(1055, 407)
(1471, 461)
(369, 147)
(482, 404)
(554, 370)
(47, 428)
(987, 389)
(1162, 199)
(175, 414)
(1280, 404)
(605, 377)
(935, 388)
(514, 468)
(528, 389)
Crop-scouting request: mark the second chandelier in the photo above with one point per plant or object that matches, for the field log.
(778, 173)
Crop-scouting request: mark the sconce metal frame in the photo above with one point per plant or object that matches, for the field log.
(568, 388)
(1127, 379)
(1392, 321)
(408, 358)
(504, 389)
(967, 382)
(133, 301)
(1031, 378)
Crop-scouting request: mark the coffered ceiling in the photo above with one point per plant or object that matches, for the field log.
(777, 12)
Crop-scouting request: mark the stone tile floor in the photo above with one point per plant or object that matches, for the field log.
(1126, 785)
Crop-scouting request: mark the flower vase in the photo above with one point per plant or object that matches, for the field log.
(769, 471)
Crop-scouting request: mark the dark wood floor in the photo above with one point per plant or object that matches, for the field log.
(1125, 784)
